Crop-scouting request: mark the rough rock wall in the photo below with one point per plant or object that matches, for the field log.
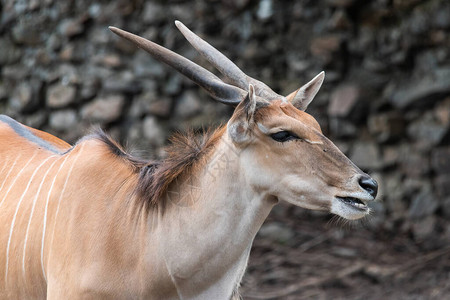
(385, 101)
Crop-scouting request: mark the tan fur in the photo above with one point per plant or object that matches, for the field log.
(89, 238)
(93, 222)
(58, 143)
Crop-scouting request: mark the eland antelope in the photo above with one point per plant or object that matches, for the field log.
(90, 221)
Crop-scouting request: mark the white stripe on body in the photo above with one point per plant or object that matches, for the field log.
(57, 209)
(4, 166)
(6, 177)
(17, 208)
(31, 215)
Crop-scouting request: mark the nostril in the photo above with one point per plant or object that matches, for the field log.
(370, 185)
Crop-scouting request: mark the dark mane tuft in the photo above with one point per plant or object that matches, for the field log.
(116, 149)
(155, 177)
(184, 151)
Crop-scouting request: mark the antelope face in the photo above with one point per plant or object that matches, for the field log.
(283, 150)
(285, 154)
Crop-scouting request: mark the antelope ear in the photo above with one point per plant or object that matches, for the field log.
(243, 117)
(304, 95)
(250, 103)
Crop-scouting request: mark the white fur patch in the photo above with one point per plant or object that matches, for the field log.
(313, 142)
(345, 211)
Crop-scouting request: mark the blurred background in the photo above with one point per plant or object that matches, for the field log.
(385, 103)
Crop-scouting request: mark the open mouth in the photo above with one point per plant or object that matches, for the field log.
(354, 203)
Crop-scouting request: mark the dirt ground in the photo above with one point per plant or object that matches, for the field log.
(330, 259)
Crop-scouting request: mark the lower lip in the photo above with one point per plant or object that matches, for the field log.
(353, 203)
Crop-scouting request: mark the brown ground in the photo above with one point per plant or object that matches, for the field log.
(327, 259)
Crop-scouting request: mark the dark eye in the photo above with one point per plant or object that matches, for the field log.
(283, 136)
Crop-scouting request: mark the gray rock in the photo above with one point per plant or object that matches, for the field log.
(440, 160)
(42, 58)
(386, 126)
(98, 73)
(442, 113)
(22, 97)
(363, 41)
(36, 120)
(102, 36)
(109, 13)
(366, 156)
(89, 88)
(344, 252)
(442, 185)
(340, 3)
(187, 105)
(422, 91)
(108, 60)
(418, 22)
(440, 18)
(412, 162)
(3, 92)
(153, 131)
(276, 232)
(140, 105)
(27, 33)
(75, 52)
(153, 13)
(146, 67)
(343, 146)
(339, 20)
(61, 95)
(104, 109)
(63, 119)
(15, 72)
(324, 48)
(391, 156)
(173, 85)
(374, 64)
(427, 130)
(423, 204)
(343, 100)
(298, 64)
(378, 215)
(265, 10)
(67, 53)
(149, 103)
(68, 74)
(160, 107)
(9, 53)
(54, 42)
(341, 128)
(122, 83)
(71, 27)
(446, 206)
(424, 229)
(183, 10)
(25, 98)
(393, 192)
(94, 10)
(427, 61)
(412, 186)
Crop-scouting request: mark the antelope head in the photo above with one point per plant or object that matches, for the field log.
(283, 151)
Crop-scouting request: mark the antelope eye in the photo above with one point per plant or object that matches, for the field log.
(283, 136)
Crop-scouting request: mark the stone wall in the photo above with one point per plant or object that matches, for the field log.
(385, 100)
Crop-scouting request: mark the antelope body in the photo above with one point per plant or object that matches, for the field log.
(90, 221)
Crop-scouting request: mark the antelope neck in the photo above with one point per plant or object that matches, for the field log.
(211, 220)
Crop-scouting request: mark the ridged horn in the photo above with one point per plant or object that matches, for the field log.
(225, 65)
(218, 89)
